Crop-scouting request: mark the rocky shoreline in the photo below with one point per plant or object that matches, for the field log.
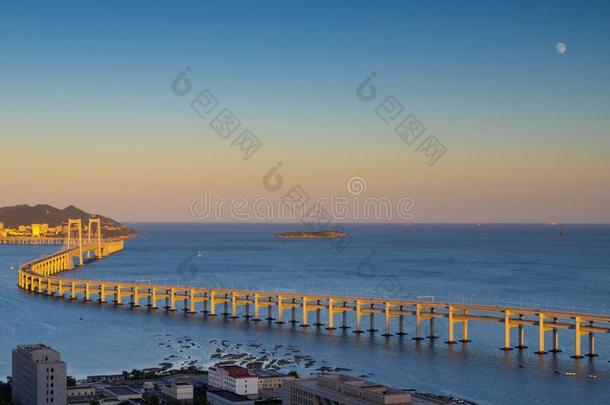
(187, 355)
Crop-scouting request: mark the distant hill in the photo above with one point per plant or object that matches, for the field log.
(23, 214)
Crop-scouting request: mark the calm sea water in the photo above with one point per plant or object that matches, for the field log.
(520, 264)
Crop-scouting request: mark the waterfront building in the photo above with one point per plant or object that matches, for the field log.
(224, 397)
(233, 378)
(81, 394)
(39, 230)
(271, 380)
(106, 379)
(177, 393)
(36, 230)
(340, 389)
(38, 376)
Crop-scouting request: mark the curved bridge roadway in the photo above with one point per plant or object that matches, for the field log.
(40, 276)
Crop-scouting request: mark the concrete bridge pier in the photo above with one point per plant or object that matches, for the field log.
(304, 313)
(592, 352)
(507, 326)
(293, 311)
(432, 321)
(331, 315)
(206, 308)
(118, 299)
(87, 292)
(388, 318)
(371, 328)
(521, 344)
(269, 312)
(225, 306)
(465, 338)
(358, 316)
(169, 300)
(257, 309)
(344, 317)
(279, 310)
(401, 324)
(234, 306)
(152, 298)
(192, 302)
(418, 323)
(577, 334)
(133, 296)
(451, 325)
(212, 304)
(247, 308)
(102, 294)
(318, 315)
(555, 348)
(541, 330)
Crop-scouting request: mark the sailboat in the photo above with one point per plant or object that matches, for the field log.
(562, 232)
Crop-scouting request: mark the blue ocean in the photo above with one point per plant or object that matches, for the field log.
(521, 265)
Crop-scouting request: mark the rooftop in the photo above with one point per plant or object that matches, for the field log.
(237, 371)
(270, 374)
(361, 391)
(121, 390)
(360, 383)
(228, 395)
(35, 347)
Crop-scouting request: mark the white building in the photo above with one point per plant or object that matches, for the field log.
(39, 376)
(233, 378)
(342, 390)
(179, 393)
(81, 394)
(271, 380)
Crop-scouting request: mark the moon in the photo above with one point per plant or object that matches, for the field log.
(561, 48)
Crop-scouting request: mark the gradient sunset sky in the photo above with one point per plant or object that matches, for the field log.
(88, 117)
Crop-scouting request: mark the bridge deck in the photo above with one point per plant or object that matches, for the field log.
(40, 276)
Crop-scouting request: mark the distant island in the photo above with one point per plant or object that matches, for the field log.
(311, 235)
(49, 222)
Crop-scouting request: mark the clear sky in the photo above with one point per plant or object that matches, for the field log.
(88, 116)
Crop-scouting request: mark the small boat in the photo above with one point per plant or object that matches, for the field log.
(199, 253)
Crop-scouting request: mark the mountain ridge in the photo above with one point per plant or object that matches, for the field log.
(24, 214)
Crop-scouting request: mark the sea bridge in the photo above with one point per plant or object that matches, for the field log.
(40, 276)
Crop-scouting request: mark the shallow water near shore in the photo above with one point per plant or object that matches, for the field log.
(526, 265)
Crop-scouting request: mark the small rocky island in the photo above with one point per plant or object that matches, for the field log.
(311, 235)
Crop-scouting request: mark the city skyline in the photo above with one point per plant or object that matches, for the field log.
(89, 99)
